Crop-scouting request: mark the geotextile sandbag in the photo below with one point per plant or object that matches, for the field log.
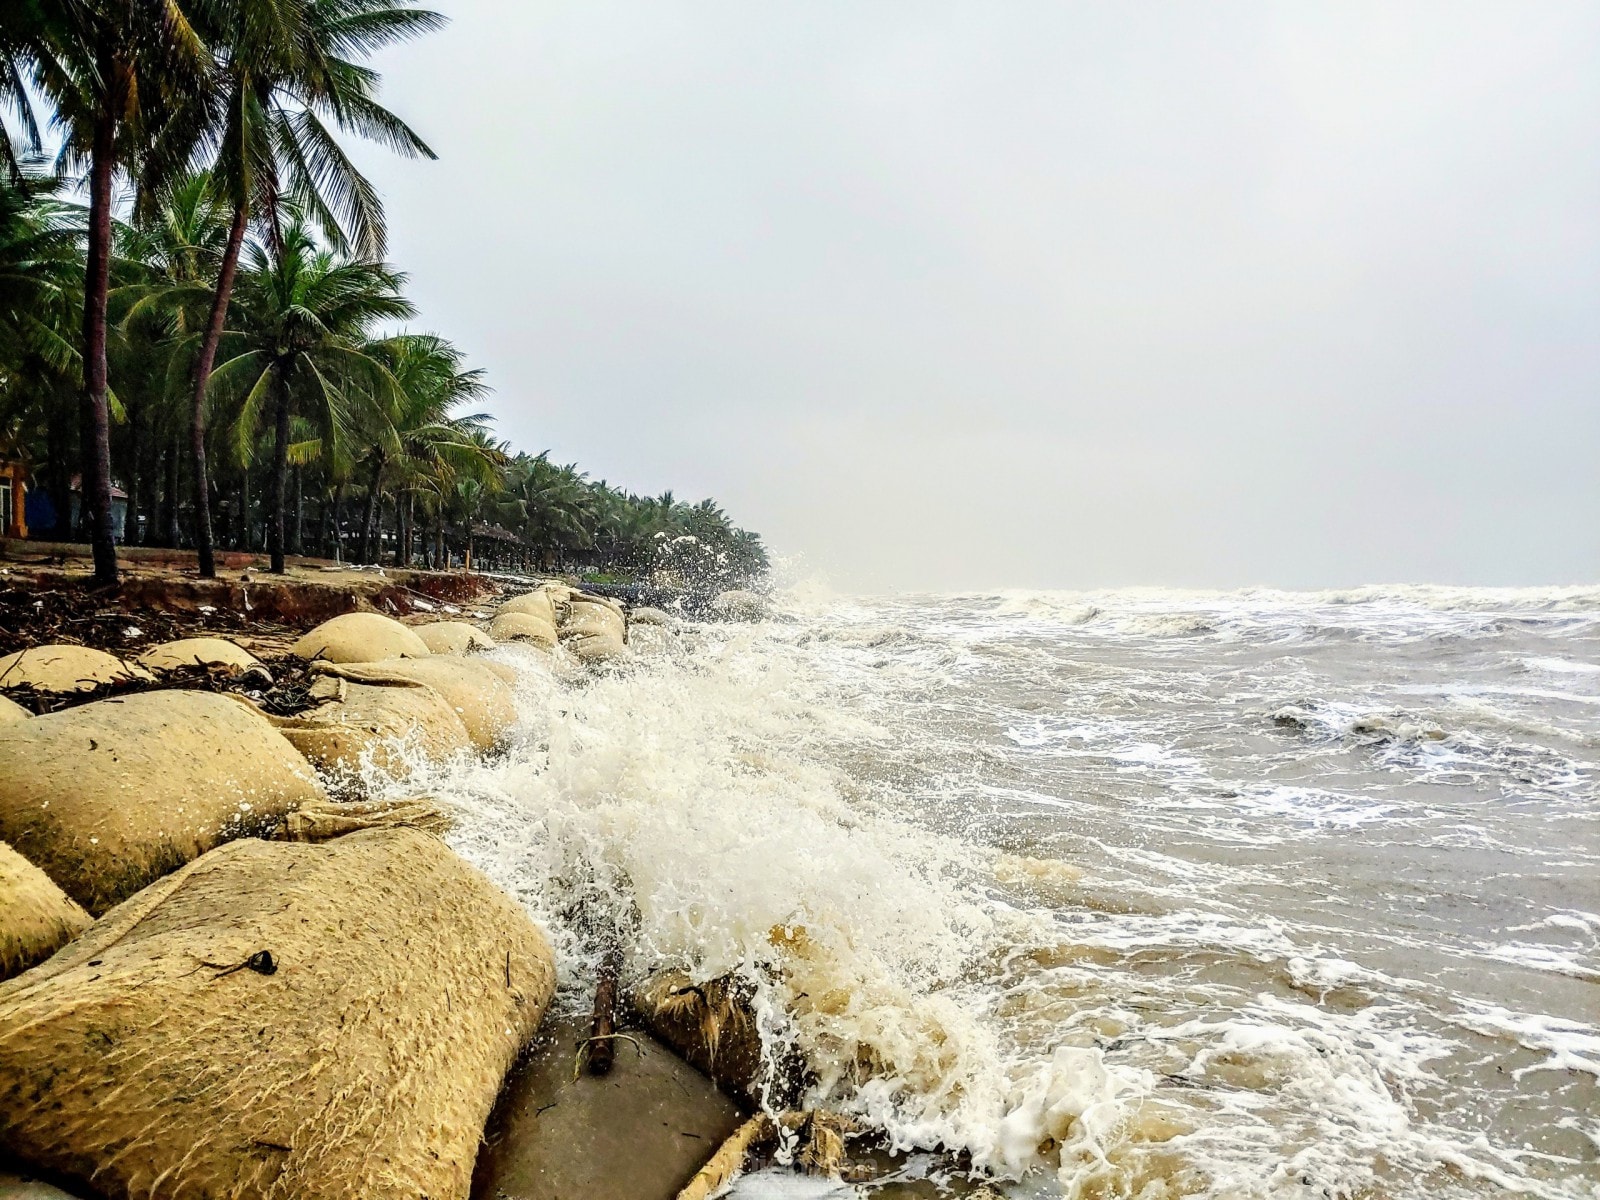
(323, 822)
(649, 616)
(36, 917)
(109, 796)
(587, 615)
(67, 670)
(711, 1024)
(10, 710)
(277, 1021)
(594, 647)
(383, 722)
(505, 672)
(452, 637)
(474, 692)
(360, 637)
(537, 603)
(523, 627)
(217, 654)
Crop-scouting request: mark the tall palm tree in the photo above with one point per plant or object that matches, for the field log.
(115, 71)
(289, 65)
(433, 444)
(166, 261)
(307, 317)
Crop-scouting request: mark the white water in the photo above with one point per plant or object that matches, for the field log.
(1125, 894)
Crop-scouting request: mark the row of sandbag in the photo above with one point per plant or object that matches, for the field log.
(247, 1017)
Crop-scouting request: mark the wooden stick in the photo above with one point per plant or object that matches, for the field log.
(603, 1027)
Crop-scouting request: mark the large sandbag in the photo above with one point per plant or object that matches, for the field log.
(10, 710)
(106, 797)
(217, 654)
(711, 1024)
(452, 637)
(67, 670)
(650, 616)
(360, 637)
(36, 917)
(275, 1021)
(474, 692)
(385, 723)
(588, 615)
(537, 603)
(595, 647)
(637, 1133)
(523, 627)
(505, 672)
(594, 615)
(594, 629)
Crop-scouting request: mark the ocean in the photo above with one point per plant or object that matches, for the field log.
(1131, 893)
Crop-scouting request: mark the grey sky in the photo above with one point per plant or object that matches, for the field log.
(971, 295)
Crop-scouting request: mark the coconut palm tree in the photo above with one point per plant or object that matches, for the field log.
(160, 300)
(289, 67)
(116, 72)
(307, 318)
(433, 444)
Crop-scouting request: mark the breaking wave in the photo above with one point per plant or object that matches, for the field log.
(1109, 895)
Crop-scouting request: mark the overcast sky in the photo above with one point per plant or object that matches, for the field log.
(978, 295)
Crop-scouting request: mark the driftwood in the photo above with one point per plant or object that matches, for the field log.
(603, 1027)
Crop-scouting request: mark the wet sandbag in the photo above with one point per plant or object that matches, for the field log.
(67, 670)
(595, 647)
(277, 1020)
(537, 603)
(523, 627)
(109, 796)
(10, 710)
(474, 692)
(639, 1133)
(384, 723)
(324, 822)
(452, 637)
(36, 917)
(711, 1024)
(216, 654)
(360, 637)
(593, 615)
(650, 616)
(505, 672)
(594, 629)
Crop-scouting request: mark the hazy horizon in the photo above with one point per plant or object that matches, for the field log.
(939, 298)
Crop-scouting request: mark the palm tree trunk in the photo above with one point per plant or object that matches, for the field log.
(366, 516)
(411, 525)
(169, 515)
(202, 377)
(247, 532)
(338, 523)
(97, 283)
(297, 543)
(130, 516)
(280, 471)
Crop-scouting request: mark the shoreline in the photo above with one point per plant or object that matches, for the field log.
(159, 606)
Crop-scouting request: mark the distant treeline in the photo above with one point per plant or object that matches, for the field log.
(204, 355)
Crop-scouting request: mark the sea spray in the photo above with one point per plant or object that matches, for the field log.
(1160, 945)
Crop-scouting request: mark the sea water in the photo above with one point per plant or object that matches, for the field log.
(1138, 893)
